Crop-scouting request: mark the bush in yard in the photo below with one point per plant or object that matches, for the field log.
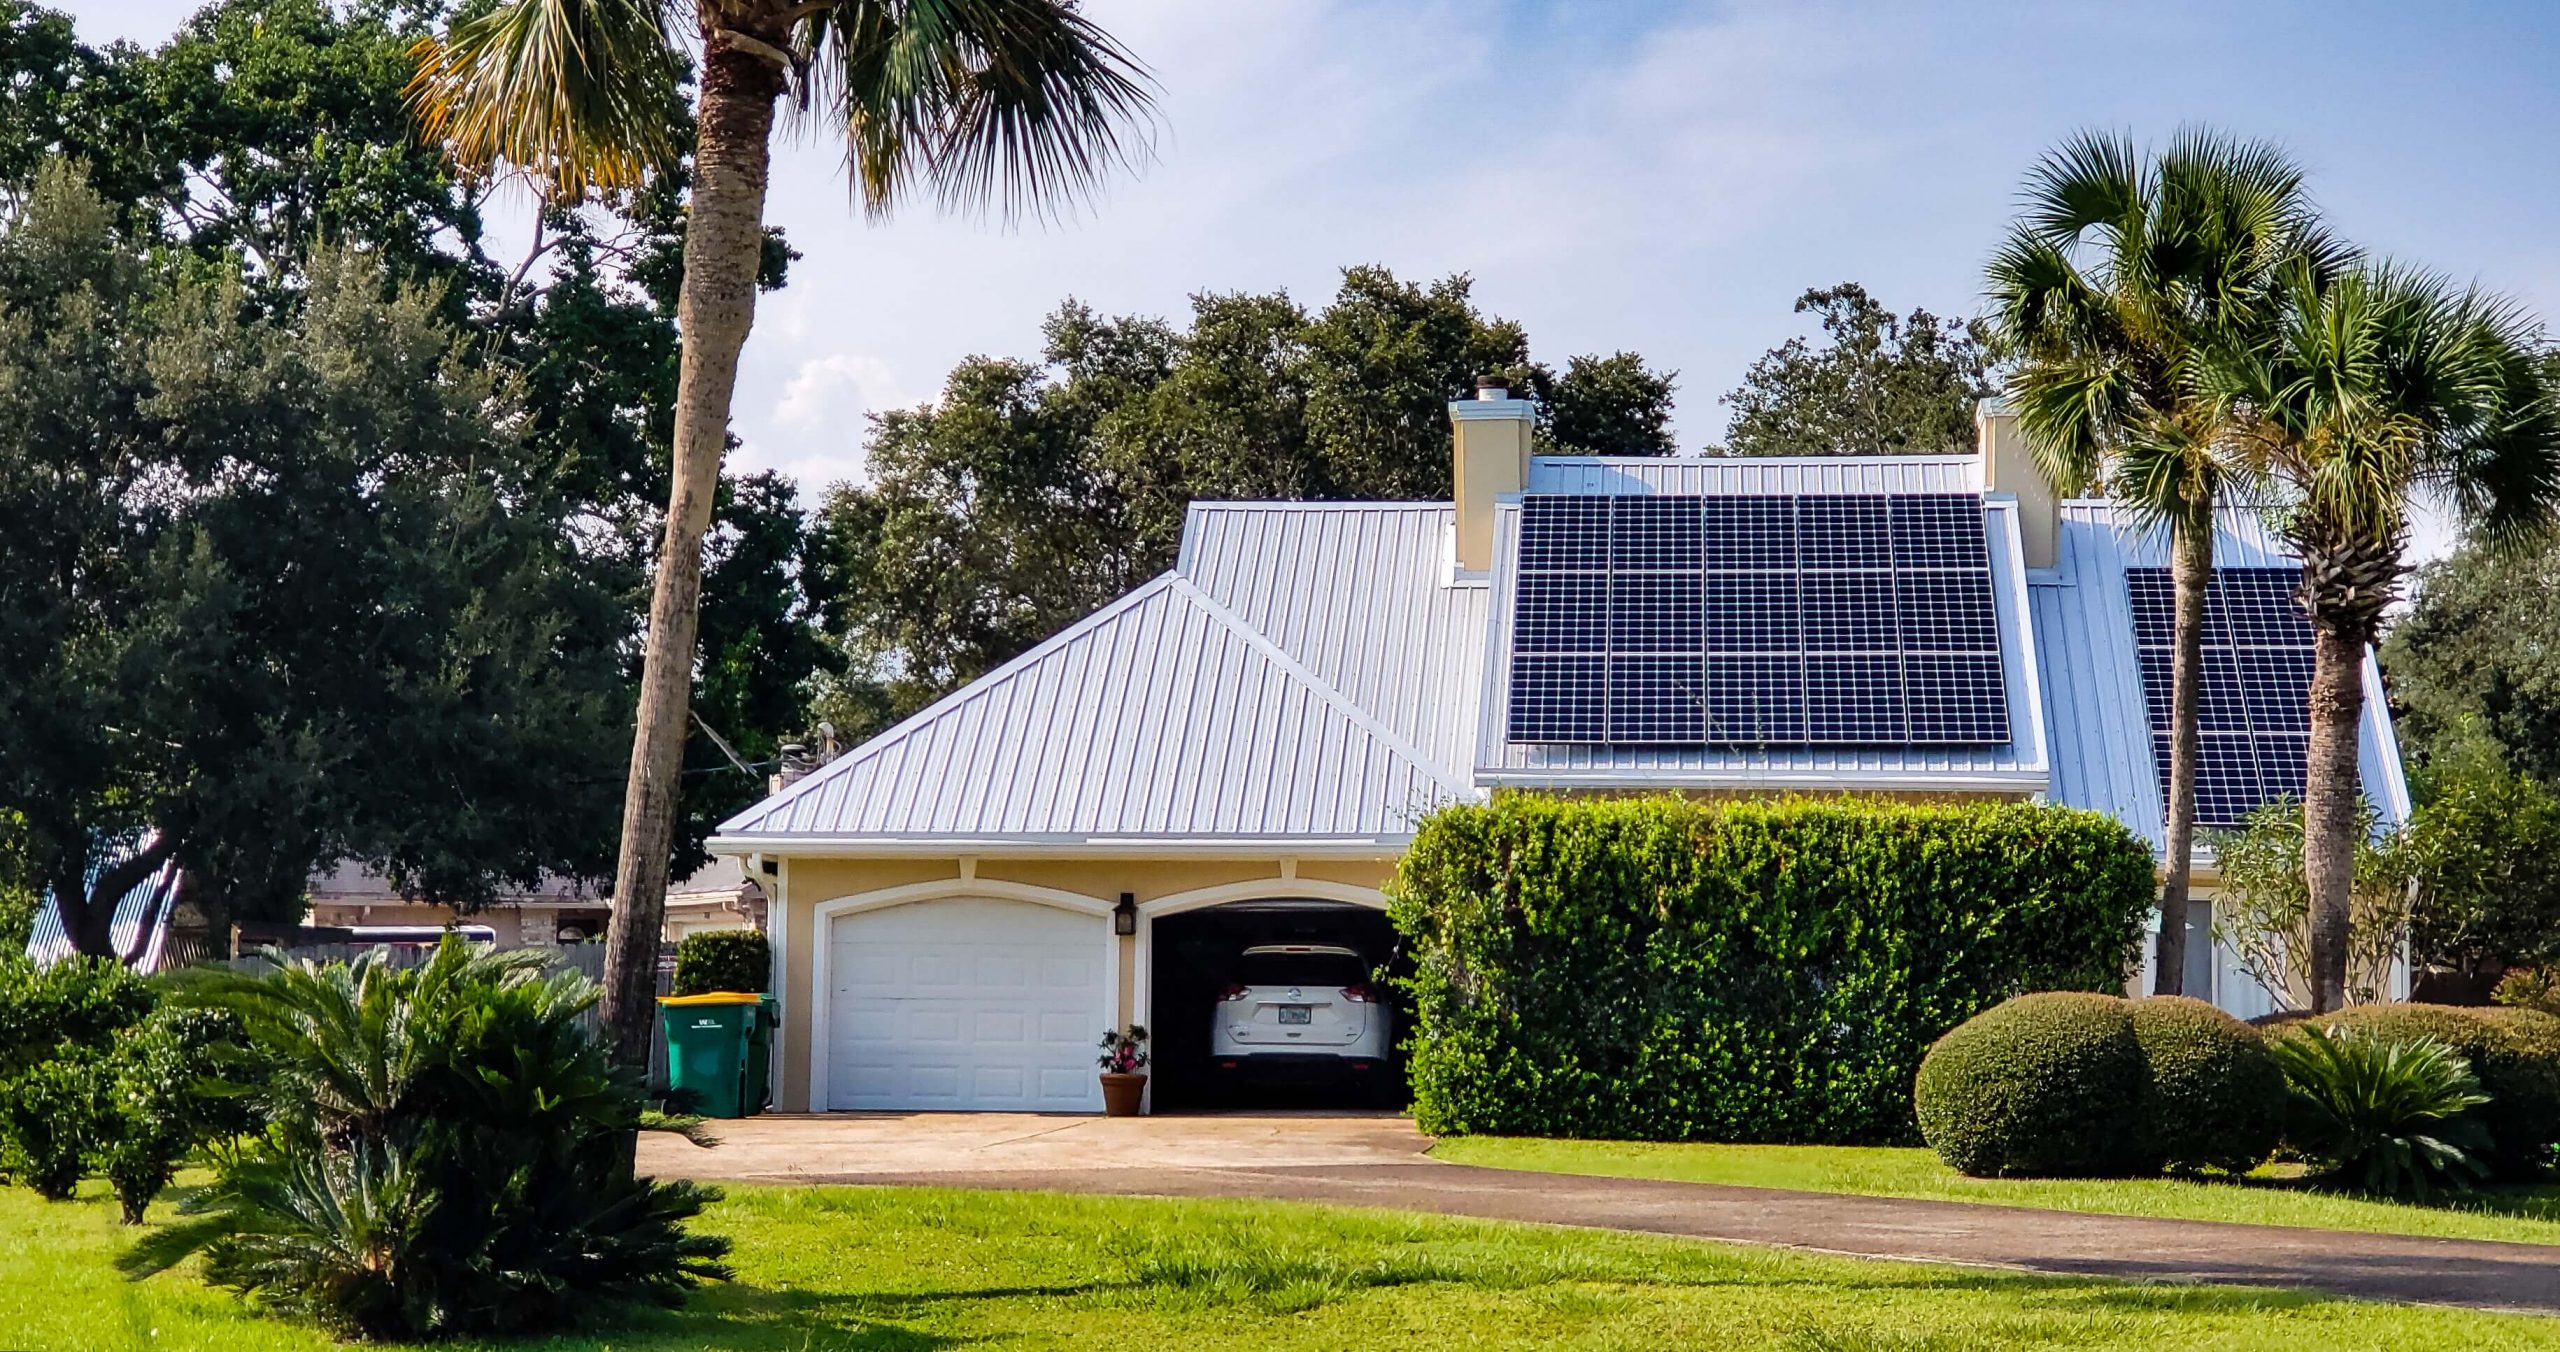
(60, 1027)
(2515, 1054)
(2048, 1085)
(444, 1155)
(2215, 1097)
(2391, 1115)
(73, 1005)
(1662, 969)
(53, 1116)
(724, 960)
(176, 1082)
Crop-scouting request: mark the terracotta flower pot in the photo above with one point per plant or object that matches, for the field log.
(1121, 1092)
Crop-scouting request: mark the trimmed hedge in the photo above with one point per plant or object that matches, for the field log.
(2215, 1097)
(724, 960)
(2046, 1085)
(2514, 1052)
(1660, 969)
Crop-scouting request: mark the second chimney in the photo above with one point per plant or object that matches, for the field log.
(2008, 466)
(1489, 438)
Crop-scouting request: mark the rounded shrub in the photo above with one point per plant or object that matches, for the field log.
(2217, 1096)
(2043, 1085)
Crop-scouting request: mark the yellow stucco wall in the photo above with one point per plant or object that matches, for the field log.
(807, 883)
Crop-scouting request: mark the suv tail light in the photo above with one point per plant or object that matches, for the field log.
(1232, 992)
(1358, 995)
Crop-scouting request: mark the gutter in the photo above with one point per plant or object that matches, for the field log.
(1101, 847)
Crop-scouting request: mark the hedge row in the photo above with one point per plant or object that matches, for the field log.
(1662, 969)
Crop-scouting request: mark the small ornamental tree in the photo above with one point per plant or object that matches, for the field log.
(2263, 914)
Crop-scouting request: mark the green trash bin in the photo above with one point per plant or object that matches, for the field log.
(759, 1086)
(708, 1049)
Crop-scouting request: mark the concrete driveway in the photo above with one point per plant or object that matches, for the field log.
(1378, 1161)
(852, 1147)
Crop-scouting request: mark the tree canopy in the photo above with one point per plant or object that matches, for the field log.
(1875, 384)
(266, 133)
(284, 588)
(1031, 493)
(2479, 647)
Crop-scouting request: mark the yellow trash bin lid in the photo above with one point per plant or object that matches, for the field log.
(713, 998)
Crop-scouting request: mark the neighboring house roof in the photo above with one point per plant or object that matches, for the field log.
(350, 882)
(2102, 757)
(151, 902)
(2017, 766)
(1161, 721)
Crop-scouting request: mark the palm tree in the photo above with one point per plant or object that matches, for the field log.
(2381, 384)
(2116, 286)
(1021, 104)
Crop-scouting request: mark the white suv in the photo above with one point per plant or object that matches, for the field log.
(1308, 1007)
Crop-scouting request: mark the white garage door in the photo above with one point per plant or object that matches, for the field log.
(968, 1002)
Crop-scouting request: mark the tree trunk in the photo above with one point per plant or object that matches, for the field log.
(88, 906)
(2330, 817)
(723, 247)
(2191, 570)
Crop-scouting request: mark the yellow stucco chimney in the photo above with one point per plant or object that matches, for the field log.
(2009, 467)
(1489, 443)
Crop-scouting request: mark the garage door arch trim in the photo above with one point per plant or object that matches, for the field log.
(825, 914)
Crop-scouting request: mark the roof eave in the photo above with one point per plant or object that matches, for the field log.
(1100, 847)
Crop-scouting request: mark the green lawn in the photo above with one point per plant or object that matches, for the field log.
(2530, 1215)
(913, 1269)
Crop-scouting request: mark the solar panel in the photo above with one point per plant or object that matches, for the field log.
(2253, 709)
(1756, 621)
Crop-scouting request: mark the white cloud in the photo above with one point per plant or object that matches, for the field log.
(816, 427)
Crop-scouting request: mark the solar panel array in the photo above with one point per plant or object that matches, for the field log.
(2254, 710)
(1764, 621)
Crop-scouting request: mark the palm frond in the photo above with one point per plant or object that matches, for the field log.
(2094, 180)
(573, 92)
(1023, 106)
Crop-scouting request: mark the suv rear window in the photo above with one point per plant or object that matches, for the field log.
(1301, 969)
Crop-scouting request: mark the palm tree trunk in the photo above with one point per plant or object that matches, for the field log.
(723, 246)
(2191, 572)
(2330, 816)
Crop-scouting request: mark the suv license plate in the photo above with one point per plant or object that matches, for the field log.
(1293, 1013)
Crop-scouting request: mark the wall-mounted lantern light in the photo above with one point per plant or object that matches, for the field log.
(1124, 917)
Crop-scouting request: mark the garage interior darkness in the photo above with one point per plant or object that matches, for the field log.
(1195, 956)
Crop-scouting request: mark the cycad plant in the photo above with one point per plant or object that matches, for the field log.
(2393, 1117)
(1022, 104)
(2121, 281)
(443, 1155)
(2382, 384)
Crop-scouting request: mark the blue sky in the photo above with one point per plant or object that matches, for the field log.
(1665, 178)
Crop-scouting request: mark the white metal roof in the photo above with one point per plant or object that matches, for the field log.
(1361, 594)
(2093, 682)
(1703, 476)
(1161, 719)
(1313, 677)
